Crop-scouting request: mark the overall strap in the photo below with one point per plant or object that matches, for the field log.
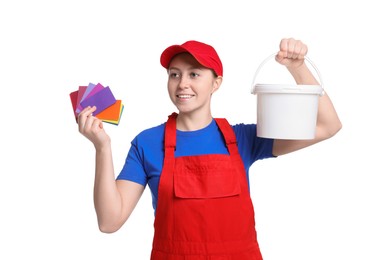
(170, 135)
(228, 134)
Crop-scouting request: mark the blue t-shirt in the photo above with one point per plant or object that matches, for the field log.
(144, 161)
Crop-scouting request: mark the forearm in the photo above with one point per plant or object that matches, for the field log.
(107, 198)
(303, 76)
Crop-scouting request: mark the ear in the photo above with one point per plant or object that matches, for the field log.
(217, 83)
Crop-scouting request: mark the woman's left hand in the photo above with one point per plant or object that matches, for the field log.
(292, 53)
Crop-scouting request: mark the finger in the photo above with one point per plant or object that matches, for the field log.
(96, 125)
(297, 50)
(283, 46)
(280, 56)
(90, 119)
(303, 51)
(291, 48)
(83, 116)
(88, 122)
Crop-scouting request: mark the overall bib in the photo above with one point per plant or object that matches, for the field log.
(204, 210)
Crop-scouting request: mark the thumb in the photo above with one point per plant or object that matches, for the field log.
(281, 57)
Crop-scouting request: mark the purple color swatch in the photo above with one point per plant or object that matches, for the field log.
(102, 99)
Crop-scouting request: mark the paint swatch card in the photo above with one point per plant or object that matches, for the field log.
(108, 109)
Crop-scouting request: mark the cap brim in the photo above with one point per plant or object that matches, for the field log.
(169, 53)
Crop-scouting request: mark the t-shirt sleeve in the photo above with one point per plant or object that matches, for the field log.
(252, 147)
(133, 169)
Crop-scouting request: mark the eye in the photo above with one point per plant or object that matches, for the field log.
(194, 75)
(174, 75)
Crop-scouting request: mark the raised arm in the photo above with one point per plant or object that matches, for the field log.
(292, 55)
(114, 200)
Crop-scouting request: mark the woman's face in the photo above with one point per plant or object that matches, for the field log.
(190, 85)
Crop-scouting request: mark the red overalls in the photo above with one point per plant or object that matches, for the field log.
(204, 211)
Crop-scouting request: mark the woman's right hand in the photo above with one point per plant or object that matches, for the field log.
(92, 127)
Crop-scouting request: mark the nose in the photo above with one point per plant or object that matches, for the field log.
(184, 82)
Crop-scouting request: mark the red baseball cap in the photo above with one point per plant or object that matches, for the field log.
(205, 54)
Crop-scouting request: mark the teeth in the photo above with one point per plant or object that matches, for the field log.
(184, 96)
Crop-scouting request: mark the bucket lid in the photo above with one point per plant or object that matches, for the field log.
(287, 88)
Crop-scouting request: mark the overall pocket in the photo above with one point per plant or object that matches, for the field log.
(205, 177)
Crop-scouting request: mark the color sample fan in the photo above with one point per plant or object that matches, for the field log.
(108, 109)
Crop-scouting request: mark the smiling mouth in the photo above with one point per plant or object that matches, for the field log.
(184, 96)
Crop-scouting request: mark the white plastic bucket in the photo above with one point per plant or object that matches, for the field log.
(287, 111)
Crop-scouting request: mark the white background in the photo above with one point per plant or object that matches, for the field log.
(329, 201)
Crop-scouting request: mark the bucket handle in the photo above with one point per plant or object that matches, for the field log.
(273, 55)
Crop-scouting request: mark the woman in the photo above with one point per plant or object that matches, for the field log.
(195, 165)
